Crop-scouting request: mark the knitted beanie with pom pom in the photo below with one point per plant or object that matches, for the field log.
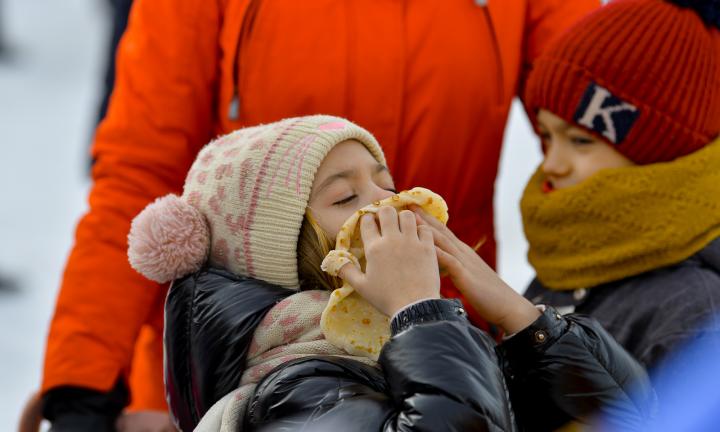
(243, 203)
(644, 75)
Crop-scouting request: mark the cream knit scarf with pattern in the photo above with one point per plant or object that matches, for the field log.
(289, 331)
(623, 222)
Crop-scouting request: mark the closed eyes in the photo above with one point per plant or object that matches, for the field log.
(351, 198)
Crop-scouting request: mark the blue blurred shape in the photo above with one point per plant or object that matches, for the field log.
(688, 386)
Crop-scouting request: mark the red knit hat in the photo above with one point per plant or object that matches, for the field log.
(644, 75)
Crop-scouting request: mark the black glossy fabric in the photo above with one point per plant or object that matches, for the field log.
(78, 409)
(438, 375)
(210, 318)
(570, 367)
(437, 372)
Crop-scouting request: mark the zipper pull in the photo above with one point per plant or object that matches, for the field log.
(234, 109)
(481, 3)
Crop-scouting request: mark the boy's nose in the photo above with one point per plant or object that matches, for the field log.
(556, 162)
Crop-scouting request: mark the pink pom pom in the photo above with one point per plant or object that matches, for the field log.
(168, 239)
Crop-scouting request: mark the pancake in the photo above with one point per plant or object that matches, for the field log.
(349, 321)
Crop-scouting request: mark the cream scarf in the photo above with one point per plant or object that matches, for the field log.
(289, 331)
(623, 222)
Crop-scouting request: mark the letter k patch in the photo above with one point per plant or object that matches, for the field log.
(606, 114)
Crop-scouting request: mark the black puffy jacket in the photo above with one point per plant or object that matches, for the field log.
(651, 314)
(438, 372)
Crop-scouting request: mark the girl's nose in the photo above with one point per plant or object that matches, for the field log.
(379, 193)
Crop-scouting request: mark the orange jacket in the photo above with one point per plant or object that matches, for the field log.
(433, 80)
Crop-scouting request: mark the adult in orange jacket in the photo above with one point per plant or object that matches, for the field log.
(432, 80)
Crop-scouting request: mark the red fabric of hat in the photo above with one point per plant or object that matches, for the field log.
(644, 75)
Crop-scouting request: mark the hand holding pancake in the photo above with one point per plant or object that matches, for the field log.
(401, 267)
(398, 270)
(489, 295)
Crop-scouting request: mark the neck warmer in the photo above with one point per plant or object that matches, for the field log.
(622, 222)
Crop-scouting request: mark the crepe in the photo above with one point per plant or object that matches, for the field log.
(348, 321)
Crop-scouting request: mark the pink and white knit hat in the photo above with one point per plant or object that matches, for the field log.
(243, 203)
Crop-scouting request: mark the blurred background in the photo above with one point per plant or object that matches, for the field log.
(52, 66)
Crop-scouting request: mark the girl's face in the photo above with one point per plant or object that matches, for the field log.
(348, 179)
(572, 154)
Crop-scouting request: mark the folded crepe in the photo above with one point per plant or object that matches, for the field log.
(349, 321)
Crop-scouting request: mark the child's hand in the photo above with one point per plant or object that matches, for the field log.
(492, 298)
(401, 262)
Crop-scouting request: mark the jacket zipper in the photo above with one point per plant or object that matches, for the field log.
(234, 107)
(496, 49)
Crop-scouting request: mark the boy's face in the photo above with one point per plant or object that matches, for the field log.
(572, 154)
(348, 179)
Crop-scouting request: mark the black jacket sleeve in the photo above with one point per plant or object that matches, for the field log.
(77, 409)
(569, 368)
(210, 318)
(438, 373)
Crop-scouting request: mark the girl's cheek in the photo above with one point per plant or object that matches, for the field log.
(334, 223)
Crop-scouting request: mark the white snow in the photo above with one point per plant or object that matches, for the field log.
(48, 91)
(48, 97)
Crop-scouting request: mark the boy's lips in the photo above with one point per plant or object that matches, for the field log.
(547, 186)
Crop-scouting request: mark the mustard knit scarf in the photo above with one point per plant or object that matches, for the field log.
(622, 222)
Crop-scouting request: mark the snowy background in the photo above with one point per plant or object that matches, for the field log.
(49, 90)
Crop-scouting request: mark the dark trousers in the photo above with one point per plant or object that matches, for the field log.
(120, 12)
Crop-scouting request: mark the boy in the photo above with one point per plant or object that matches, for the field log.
(623, 215)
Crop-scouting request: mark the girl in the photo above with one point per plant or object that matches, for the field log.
(622, 217)
(244, 349)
